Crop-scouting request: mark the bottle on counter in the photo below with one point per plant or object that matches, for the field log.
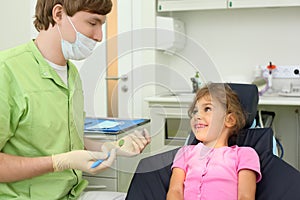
(198, 80)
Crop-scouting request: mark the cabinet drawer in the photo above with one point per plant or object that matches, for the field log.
(101, 184)
(108, 173)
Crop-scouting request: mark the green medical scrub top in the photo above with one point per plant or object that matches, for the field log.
(39, 116)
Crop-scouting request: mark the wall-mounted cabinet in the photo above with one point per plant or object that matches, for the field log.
(189, 5)
(262, 3)
(185, 5)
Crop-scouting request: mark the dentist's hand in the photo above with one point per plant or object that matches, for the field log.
(129, 145)
(83, 160)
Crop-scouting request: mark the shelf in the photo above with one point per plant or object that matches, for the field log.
(188, 5)
(262, 3)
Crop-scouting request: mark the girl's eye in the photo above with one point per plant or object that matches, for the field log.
(207, 109)
(92, 23)
(194, 112)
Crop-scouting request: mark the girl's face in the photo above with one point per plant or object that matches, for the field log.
(207, 121)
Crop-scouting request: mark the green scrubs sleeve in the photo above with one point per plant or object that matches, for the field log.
(10, 108)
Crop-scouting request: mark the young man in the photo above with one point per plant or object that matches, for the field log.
(41, 105)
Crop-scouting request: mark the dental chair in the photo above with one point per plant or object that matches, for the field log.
(280, 181)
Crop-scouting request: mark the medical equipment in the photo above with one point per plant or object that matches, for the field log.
(262, 85)
(291, 90)
(270, 68)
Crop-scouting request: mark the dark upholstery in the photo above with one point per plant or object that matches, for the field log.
(248, 95)
(152, 177)
(280, 181)
(152, 184)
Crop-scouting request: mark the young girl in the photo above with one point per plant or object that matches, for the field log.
(211, 169)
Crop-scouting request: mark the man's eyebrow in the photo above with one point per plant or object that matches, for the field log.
(98, 20)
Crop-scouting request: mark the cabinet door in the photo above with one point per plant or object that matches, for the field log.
(101, 184)
(262, 3)
(184, 5)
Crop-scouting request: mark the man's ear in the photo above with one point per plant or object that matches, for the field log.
(57, 13)
(230, 120)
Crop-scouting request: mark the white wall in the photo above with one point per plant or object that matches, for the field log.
(16, 22)
(34, 32)
(239, 39)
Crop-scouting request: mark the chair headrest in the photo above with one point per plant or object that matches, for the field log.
(248, 95)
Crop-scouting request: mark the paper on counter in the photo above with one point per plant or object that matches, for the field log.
(104, 125)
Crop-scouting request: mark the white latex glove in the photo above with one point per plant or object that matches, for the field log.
(129, 145)
(83, 160)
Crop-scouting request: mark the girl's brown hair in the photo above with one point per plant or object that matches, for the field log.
(43, 10)
(227, 97)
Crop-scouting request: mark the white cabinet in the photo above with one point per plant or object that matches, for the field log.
(119, 175)
(189, 5)
(185, 5)
(262, 3)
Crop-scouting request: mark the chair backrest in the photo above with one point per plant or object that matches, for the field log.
(248, 96)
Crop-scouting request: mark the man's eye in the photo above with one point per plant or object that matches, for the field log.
(92, 23)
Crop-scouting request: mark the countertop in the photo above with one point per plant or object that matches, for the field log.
(279, 100)
(186, 100)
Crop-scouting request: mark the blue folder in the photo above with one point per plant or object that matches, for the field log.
(121, 126)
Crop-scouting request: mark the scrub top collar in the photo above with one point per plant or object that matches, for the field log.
(46, 71)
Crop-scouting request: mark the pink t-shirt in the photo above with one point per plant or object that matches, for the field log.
(212, 174)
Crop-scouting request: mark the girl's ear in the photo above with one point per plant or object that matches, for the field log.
(230, 120)
(57, 13)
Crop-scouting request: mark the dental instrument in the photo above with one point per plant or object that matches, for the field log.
(98, 162)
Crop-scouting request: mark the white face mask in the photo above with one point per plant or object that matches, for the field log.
(78, 50)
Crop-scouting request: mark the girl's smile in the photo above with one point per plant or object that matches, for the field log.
(200, 126)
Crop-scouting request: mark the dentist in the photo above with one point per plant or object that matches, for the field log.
(42, 152)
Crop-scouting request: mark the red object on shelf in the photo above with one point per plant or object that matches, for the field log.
(271, 66)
